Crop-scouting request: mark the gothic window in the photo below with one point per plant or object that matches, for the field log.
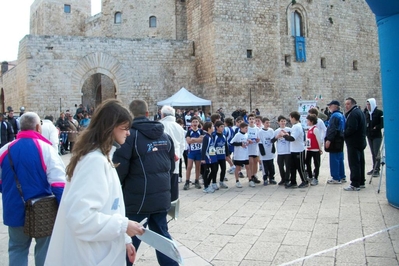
(296, 24)
(67, 8)
(118, 18)
(153, 22)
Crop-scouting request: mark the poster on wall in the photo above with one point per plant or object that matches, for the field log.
(303, 108)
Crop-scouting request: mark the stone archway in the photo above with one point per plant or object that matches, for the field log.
(97, 88)
(99, 68)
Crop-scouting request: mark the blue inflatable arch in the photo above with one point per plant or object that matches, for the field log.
(387, 17)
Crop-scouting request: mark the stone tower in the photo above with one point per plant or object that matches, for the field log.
(159, 19)
(59, 17)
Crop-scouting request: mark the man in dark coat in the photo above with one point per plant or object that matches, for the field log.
(6, 131)
(355, 138)
(13, 121)
(374, 123)
(147, 160)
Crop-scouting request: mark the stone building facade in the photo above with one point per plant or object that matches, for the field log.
(241, 53)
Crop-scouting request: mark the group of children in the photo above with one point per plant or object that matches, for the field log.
(254, 144)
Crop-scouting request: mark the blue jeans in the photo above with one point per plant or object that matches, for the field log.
(18, 247)
(157, 223)
(337, 169)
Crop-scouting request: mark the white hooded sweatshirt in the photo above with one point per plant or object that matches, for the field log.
(90, 228)
(373, 105)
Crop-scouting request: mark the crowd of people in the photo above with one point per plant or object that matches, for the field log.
(124, 170)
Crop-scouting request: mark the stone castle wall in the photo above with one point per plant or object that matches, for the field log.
(264, 28)
(213, 62)
(140, 68)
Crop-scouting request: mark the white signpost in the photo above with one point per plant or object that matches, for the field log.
(303, 108)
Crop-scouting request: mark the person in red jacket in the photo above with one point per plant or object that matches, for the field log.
(314, 149)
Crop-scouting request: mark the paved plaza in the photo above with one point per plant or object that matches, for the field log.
(271, 225)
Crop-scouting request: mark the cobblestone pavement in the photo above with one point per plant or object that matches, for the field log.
(271, 225)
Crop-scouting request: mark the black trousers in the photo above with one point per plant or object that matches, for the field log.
(315, 155)
(356, 165)
(210, 173)
(268, 169)
(222, 165)
(284, 164)
(297, 164)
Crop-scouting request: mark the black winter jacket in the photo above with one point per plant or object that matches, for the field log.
(375, 124)
(355, 128)
(146, 163)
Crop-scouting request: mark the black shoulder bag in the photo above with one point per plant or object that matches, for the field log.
(40, 213)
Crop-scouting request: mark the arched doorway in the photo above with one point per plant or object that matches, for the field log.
(97, 88)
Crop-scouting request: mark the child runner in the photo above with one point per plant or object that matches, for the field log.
(194, 139)
(314, 148)
(209, 158)
(283, 151)
(228, 122)
(222, 149)
(240, 142)
(259, 124)
(253, 150)
(297, 139)
(267, 152)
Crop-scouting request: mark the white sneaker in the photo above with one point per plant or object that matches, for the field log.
(251, 183)
(208, 190)
(215, 186)
(223, 185)
(238, 184)
(226, 179)
(180, 180)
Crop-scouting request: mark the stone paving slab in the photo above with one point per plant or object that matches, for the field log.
(271, 225)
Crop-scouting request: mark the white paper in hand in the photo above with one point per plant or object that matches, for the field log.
(162, 244)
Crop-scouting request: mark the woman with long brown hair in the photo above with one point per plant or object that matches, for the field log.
(91, 227)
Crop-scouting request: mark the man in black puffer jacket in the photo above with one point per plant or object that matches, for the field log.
(146, 164)
(355, 138)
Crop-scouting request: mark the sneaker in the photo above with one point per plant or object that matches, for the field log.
(290, 185)
(376, 174)
(265, 183)
(281, 183)
(226, 179)
(197, 185)
(208, 190)
(179, 180)
(314, 182)
(215, 186)
(304, 184)
(251, 183)
(232, 169)
(186, 186)
(272, 182)
(334, 181)
(343, 180)
(362, 186)
(370, 172)
(351, 188)
(238, 184)
(223, 185)
(240, 175)
(255, 179)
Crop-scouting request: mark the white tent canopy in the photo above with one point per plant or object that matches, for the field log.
(184, 98)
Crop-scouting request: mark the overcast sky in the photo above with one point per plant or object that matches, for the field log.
(14, 25)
